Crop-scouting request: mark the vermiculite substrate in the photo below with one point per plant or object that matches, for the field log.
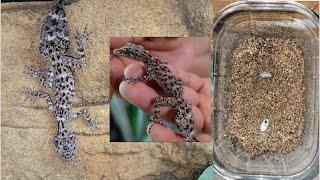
(252, 98)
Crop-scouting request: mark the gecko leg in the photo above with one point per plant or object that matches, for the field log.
(38, 94)
(46, 79)
(83, 112)
(155, 118)
(81, 40)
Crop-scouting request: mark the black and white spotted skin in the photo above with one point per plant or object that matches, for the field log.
(184, 116)
(54, 43)
(65, 141)
(54, 35)
(157, 70)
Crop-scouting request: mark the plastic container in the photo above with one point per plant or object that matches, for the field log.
(233, 24)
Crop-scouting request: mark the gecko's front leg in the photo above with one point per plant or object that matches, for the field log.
(81, 40)
(133, 80)
(46, 79)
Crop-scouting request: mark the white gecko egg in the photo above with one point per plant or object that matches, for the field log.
(264, 125)
(265, 74)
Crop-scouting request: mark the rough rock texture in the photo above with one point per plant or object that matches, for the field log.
(252, 99)
(27, 128)
(195, 17)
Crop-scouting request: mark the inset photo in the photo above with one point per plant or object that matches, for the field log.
(266, 90)
(54, 92)
(160, 89)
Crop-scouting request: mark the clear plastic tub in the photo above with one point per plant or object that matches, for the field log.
(231, 26)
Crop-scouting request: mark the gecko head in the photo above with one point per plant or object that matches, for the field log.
(134, 52)
(65, 142)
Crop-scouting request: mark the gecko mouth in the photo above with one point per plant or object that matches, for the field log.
(132, 51)
(122, 52)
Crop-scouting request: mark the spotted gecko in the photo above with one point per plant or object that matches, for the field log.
(54, 44)
(157, 70)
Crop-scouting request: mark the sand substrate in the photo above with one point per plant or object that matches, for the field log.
(252, 98)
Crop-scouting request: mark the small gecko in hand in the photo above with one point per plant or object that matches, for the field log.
(172, 86)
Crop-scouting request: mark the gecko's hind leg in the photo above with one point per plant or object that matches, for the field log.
(188, 138)
(86, 113)
(155, 118)
(46, 79)
(81, 39)
(38, 94)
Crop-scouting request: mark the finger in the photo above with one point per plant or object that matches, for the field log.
(205, 88)
(162, 43)
(201, 45)
(164, 134)
(204, 138)
(134, 70)
(179, 57)
(141, 95)
(116, 74)
(205, 105)
(189, 79)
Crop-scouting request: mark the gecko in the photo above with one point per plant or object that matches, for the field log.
(172, 86)
(54, 45)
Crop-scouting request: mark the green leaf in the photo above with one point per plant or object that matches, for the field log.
(118, 110)
(207, 174)
(142, 119)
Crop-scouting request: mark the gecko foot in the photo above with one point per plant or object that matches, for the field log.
(132, 80)
(152, 122)
(34, 94)
(82, 38)
(190, 137)
(89, 119)
(42, 77)
(93, 124)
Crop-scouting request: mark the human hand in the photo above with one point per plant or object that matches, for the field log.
(196, 90)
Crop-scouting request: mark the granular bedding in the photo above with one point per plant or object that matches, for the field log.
(265, 82)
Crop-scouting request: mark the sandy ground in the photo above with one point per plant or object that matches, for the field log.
(28, 127)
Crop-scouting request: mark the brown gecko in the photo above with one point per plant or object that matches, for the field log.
(157, 70)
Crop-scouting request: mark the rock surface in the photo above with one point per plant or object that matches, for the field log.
(27, 128)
